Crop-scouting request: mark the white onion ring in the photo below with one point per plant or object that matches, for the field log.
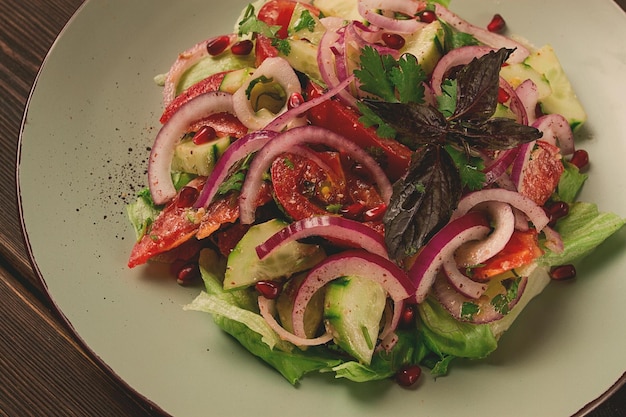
(461, 283)
(298, 136)
(160, 161)
(267, 307)
(281, 72)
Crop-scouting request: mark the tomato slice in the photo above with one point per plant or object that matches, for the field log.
(174, 226)
(339, 118)
(263, 49)
(304, 189)
(522, 249)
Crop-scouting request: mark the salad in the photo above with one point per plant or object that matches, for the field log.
(368, 187)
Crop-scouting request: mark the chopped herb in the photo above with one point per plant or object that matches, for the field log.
(453, 39)
(235, 179)
(333, 208)
(249, 24)
(282, 45)
(469, 310)
(288, 163)
(501, 301)
(306, 21)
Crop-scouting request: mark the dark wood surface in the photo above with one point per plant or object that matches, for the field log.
(44, 371)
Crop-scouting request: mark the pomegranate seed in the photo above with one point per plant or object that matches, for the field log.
(295, 100)
(375, 213)
(580, 158)
(204, 134)
(497, 24)
(503, 96)
(556, 211)
(408, 375)
(563, 272)
(242, 48)
(217, 45)
(186, 197)
(407, 319)
(269, 289)
(427, 16)
(393, 40)
(187, 273)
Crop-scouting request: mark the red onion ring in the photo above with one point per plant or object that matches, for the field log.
(496, 169)
(184, 61)
(267, 308)
(476, 252)
(492, 39)
(534, 213)
(349, 231)
(528, 95)
(461, 283)
(368, 10)
(459, 56)
(353, 262)
(160, 161)
(238, 150)
(556, 131)
(515, 104)
(442, 246)
(299, 136)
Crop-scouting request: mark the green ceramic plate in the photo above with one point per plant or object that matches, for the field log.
(94, 111)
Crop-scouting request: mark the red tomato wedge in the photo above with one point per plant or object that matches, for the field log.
(339, 118)
(522, 249)
(279, 12)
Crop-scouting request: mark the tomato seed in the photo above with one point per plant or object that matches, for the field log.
(269, 289)
(427, 16)
(563, 272)
(408, 375)
(217, 45)
(187, 196)
(242, 48)
(393, 40)
(497, 24)
(580, 158)
(204, 135)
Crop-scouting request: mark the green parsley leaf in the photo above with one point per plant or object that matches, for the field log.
(446, 102)
(408, 77)
(469, 310)
(249, 24)
(374, 74)
(283, 46)
(305, 21)
(470, 168)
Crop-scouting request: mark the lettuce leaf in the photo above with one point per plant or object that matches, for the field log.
(582, 230)
(570, 182)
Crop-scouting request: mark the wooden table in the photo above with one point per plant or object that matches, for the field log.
(44, 370)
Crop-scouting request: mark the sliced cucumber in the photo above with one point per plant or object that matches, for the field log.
(244, 268)
(346, 9)
(303, 57)
(305, 25)
(563, 99)
(353, 307)
(515, 74)
(313, 315)
(235, 79)
(210, 65)
(198, 159)
(423, 45)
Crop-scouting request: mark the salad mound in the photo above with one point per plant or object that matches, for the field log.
(364, 187)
